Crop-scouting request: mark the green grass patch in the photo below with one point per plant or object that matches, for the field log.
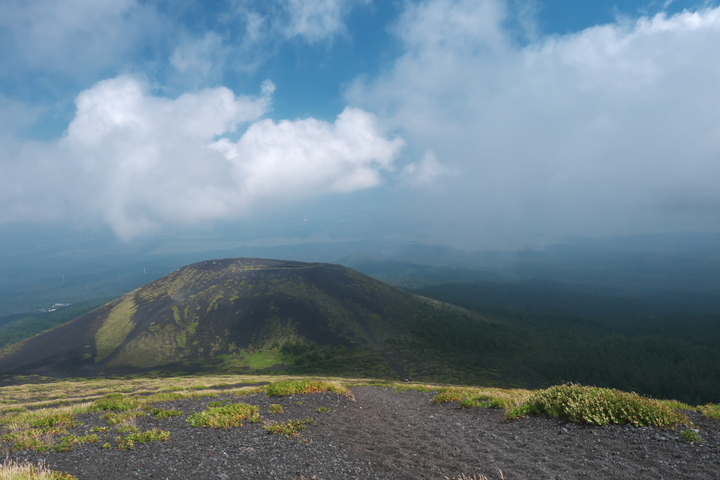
(129, 442)
(160, 413)
(264, 359)
(691, 436)
(117, 402)
(290, 428)
(166, 397)
(297, 387)
(481, 397)
(598, 406)
(228, 416)
(113, 418)
(276, 408)
(711, 410)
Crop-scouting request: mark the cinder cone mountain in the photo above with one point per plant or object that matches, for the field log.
(243, 314)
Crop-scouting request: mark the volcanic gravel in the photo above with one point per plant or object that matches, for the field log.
(382, 433)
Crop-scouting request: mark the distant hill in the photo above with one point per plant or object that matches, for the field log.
(245, 315)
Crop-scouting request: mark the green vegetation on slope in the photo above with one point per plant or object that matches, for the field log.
(115, 328)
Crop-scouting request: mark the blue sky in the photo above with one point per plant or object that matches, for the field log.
(474, 123)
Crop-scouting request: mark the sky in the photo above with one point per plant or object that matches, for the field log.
(480, 124)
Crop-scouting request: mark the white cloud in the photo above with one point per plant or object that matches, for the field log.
(425, 172)
(199, 60)
(316, 20)
(598, 132)
(140, 162)
(57, 38)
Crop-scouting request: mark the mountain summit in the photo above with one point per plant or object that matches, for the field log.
(245, 314)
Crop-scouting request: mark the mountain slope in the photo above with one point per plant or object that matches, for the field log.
(249, 315)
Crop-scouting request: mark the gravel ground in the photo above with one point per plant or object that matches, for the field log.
(385, 434)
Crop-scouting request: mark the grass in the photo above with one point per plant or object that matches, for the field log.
(129, 442)
(482, 397)
(160, 413)
(11, 470)
(289, 428)
(228, 416)
(276, 408)
(711, 410)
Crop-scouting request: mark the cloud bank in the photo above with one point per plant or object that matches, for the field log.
(614, 129)
(480, 130)
(140, 162)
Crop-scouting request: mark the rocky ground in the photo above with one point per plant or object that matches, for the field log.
(386, 434)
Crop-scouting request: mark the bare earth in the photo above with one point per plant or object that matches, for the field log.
(385, 434)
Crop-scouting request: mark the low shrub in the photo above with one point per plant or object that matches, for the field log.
(225, 417)
(117, 402)
(691, 436)
(297, 387)
(598, 406)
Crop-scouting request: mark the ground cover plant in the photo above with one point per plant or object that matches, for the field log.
(126, 410)
(289, 428)
(599, 406)
(227, 416)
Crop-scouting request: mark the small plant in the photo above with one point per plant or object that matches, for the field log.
(100, 429)
(153, 435)
(160, 413)
(323, 409)
(125, 444)
(691, 436)
(598, 406)
(117, 402)
(276, 408)
(217, 404)
(224, 417)
(113, 418)
(290, 428)
(126, 427)
(297, 387)
(106, 446)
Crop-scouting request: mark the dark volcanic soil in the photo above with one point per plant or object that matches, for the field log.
(385, 434)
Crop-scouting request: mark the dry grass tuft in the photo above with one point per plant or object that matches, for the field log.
(11, 470)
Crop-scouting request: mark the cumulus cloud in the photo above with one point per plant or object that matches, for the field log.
(141, 162)
(614, 129)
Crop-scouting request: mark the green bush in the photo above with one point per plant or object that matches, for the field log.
(225, 417)
(598, 406)
(296, 387)
(117, 402)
